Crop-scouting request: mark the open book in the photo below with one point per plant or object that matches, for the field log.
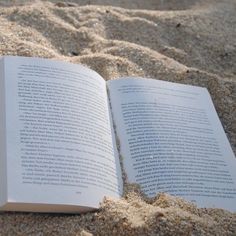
(58, 145)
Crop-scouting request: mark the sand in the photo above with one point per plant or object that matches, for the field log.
(188, 41)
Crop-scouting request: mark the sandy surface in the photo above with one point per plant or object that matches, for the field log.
(188, 41)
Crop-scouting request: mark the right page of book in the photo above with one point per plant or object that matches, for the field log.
(171, 140)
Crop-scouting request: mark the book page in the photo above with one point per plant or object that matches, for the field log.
(3, 175)
(172, 141)
(60, 147)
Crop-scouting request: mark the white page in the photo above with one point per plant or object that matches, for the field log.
(3, 175)
(172, 141)
(59, 139)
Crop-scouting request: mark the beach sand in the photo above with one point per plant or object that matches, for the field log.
(188, 41)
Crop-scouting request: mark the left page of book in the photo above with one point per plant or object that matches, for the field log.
(3, 179)
(60, 146)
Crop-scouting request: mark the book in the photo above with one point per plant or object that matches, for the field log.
(61, 123)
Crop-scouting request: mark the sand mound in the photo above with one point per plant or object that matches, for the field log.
(185, 41)
(166, 215)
